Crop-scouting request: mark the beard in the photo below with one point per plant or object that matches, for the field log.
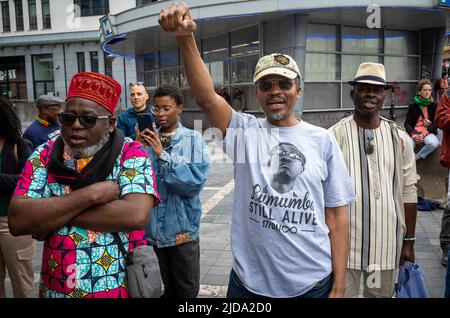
(278, 116)
(91, 150)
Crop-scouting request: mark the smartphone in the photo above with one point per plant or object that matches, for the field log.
(145, 121)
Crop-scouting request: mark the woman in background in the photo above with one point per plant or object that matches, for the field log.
(16, 253)
(419, 121)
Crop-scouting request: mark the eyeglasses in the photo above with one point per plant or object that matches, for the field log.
(370, 148)
(87, 121)
(290, 155)
(163, 110)
(266, 85)
(136, 83)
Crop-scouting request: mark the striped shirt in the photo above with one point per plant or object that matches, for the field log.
(383, 181)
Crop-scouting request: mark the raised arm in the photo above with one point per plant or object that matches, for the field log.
(177, 20)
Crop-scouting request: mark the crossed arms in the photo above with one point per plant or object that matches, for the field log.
(95, 207)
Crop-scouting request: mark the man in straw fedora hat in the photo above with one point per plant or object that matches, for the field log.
(289, 228)
(382, 166)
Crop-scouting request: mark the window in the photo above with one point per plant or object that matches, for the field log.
(169, 70)
(216, 54)
(244, 54)
(230, 58)
(334, 53)
(92, 7)
(19, 15)
(108, 65)
(361, 40)
(404, 93)
(245, 41)
(81, 62)
(168, 57)
(350, 64)
(321, 66)
(140, 3)
(401, 68)
(322, 37)
(13, 77)
(5, 16)
(32, 14)
(94, 61)
(401, 42)
(46, 21)
(321, 95)
(243, 68)
(151, 70)
(43, 74)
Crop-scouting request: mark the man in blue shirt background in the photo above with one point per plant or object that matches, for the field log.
(127, 121)
(46, 124)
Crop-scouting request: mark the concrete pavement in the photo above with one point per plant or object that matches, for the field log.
(216, 256)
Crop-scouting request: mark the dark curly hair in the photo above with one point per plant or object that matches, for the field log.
(10, 126)
(171, 91)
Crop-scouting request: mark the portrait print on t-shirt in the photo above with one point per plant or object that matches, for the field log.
(281, 205)
(286, 163)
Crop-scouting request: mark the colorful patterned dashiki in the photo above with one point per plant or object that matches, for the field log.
(78, 263)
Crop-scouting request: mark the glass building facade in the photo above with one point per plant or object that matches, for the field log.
(332, 55)
(230, 57)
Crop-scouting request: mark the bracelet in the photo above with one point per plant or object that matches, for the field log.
(412, 238)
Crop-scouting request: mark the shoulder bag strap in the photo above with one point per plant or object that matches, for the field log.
(120, 244)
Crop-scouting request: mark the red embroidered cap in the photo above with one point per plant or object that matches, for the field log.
(96, 87)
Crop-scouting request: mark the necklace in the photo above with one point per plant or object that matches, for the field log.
(166, 138)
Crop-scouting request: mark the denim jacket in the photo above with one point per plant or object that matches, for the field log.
(182, 170)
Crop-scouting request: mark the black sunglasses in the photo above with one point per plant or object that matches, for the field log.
(136, 83)
(370, 148)
(266, 85)
(87, 121)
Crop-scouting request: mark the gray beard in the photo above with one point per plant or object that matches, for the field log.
(89, 151)
(277, 116)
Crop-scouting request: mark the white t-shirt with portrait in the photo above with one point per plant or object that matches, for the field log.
(280, 241)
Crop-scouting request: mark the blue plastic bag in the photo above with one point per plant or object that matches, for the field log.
(427, 205)
(411, 283)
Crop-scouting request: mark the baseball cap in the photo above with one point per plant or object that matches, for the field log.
(276, 64)
(48, 100)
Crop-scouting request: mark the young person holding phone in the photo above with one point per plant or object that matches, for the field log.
(182, 169)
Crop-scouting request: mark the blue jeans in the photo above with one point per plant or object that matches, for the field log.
(447, 278)
(237, 290)
(431, 143)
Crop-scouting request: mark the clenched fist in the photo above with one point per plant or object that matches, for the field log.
(177, 20)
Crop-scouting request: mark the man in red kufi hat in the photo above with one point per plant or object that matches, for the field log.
(78, 189)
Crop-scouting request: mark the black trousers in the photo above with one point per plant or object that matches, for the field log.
(180, 269)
